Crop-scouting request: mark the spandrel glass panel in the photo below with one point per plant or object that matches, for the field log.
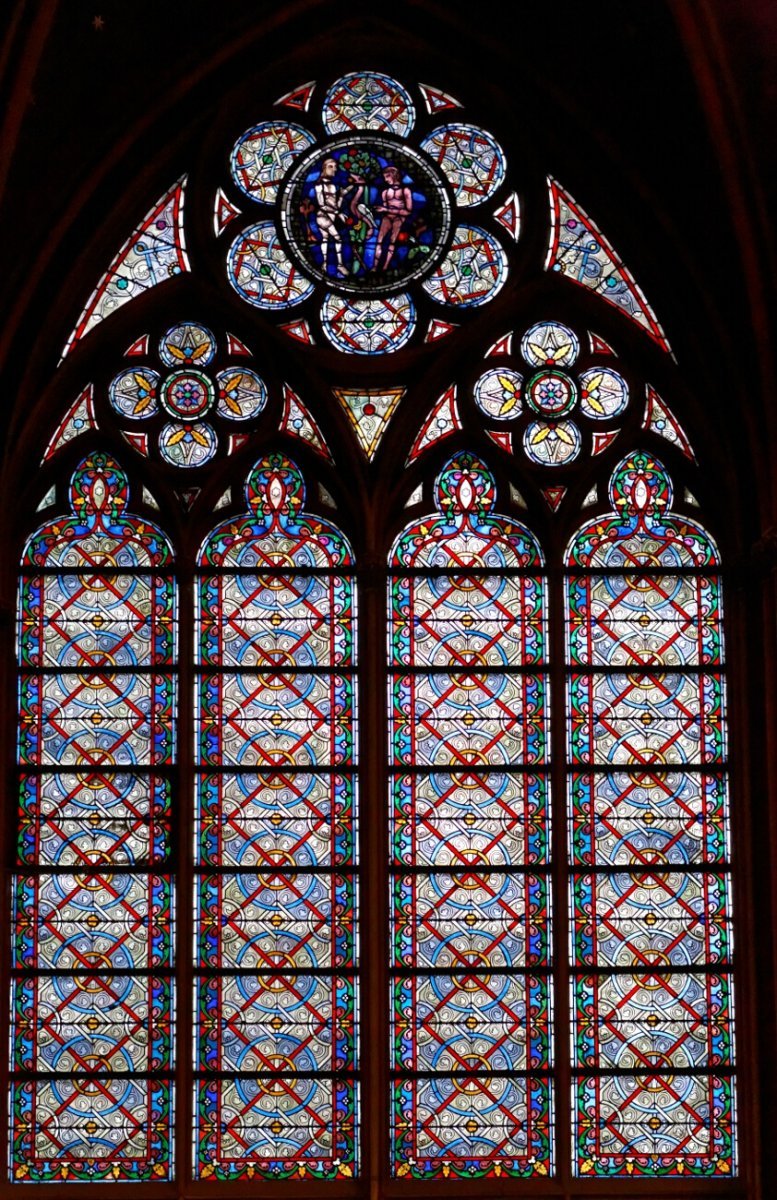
(469, 919)
(450, 819)
(256, 820)
(93, 818)
(646, 919)
(91, 1023)
(274, 921)
(643, 817)
(652, 1021)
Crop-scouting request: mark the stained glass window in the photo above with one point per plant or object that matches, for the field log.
(652, 1006)
(276, 939)
(469, 912)
(92, 1013)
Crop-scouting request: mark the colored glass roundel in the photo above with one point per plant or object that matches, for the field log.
(133, 393)
(366, 214)
(472, 160)
(548, 344)
(263, 155)
(187, 445)
(603, 393)
(242, 394)
(366, 100)
(187, 344)
(552, 443)
(370, 325)
(261, 272)
(473, 271)
(551, 393)
(498, 394)
(187, 394)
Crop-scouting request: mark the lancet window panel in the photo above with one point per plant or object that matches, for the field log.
(651, 935)
(276, 897)
(469, 853)
(92, 1020)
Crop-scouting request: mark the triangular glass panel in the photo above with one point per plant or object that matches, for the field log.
(225, 500)
(49, 499)
(435, 100)
(224, 212)
(154, 253)
(77, 420)
(415, 497)
(326, 497)
(299, 98)
(139, 348)
(236, 442)
(298, 422)
(580, 251)
(502, 345)
(597, 345)
(554, 496)
(591, 498)
(442, 421)
(659, 419)
(600, 441)
(149, 499)
(369, 411)
(187, 496)
(509, 216)
(517, 498)
(690, 498)
(300, 331)
(503, 439)
(236, 347)
(138, 441)
(438, 329)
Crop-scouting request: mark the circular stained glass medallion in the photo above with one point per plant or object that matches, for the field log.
(548, 344)
(187, 394)
(603, 393)
(552, 443)
(263, 155)
(551, 393)
(133, 393)
(366, 214)
(498, 394)
(368, 326)
(187, 445)
(242, 394)
(187, 345)
(473, 271)
(368, 100)
(261, 272)
(471, 158)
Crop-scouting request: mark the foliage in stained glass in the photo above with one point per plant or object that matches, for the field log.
(648, 826)
(469, 840)
(92, 1024)
(276, 941)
